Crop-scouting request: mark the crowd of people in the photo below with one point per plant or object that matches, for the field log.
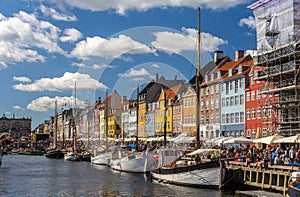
(262, 157)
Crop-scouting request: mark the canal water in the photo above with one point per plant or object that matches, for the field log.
(39, 176)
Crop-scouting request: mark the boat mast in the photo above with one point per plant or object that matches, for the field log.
(165, 118)
(197, 83)
(137, 117)
(106, 120)
(55, 127)
(73, 123)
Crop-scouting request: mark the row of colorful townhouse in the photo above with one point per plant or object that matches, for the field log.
(231, 104)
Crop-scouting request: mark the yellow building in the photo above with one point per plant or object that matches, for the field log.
(164, 111)
(189, 111)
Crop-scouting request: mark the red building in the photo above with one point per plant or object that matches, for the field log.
(260, 114)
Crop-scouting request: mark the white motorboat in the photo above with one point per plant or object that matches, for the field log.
(102, 159)
(137, 162)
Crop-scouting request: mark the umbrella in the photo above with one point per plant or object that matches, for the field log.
(238, 140)
(290, 139)
(268, 140)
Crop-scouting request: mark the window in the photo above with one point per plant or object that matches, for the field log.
(237, 100)
(227, 87)
(241, 117)
(212, 89)
(264, 132)
(217, 103)
(257, 94)
(253, 113)
(248, 132)
(212, 103)
(212, 120)
(258, 112)
(227, 118)
(264, 113)
(237, 117)
(227, 101)
(202, 119)
(247, 96)
(217, 88)
(269, 113)
(223, 119)
(231, 85)
(232, 117)
(217, 118)
(248, 114)
(253, 134)
(236, 86)
(241, 99)
(232, 101)
(223, 102)
(253, 95)
(242, 83)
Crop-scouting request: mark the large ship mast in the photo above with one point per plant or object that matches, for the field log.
(197, 84)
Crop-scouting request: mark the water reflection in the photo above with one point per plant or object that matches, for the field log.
(39, 176)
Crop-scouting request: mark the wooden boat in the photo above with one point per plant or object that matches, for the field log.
(55, 154)
(192, 170)
(33, 153)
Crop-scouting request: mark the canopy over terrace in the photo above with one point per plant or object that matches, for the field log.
(290, 139)
(268, 140)
(238, 140)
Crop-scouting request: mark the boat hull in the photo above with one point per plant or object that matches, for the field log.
(205, 175)
(102, 159)
(54, 154)
(135, 163)
(72, 157)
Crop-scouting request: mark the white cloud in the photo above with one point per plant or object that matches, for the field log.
(103, 66)
(71, 35)
(17, 107)
(66, 82)
(23, 34)
(22, 79)
(121, 6)
(185, 41)
(45, 103)
(78, 64)
(109, 48)
(136, 73)
(250, 22)
(50, 12)
(155, 66)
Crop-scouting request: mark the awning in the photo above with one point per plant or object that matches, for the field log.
(268, 140)
(290, 139)
(239, 140)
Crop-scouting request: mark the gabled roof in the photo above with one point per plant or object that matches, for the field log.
(234, 64)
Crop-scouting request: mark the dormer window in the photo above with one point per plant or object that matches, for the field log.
(230, 72)
(240, 69)
(219, 74)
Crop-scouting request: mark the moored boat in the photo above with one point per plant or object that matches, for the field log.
(54, 154)
(34, 153)
(137, 162)
(102, 159)
(191, 171)
(72, 156)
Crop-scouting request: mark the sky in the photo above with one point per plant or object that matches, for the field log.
(71, 50)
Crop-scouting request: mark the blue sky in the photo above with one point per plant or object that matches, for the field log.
(47, 47)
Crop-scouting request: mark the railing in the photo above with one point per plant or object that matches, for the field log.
(287, 67)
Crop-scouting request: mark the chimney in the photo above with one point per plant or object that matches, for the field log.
(218, 55)
(238, 54)
(175, 78)
(156, 77)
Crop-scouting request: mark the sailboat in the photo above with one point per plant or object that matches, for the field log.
(73, 155)
(104, 157)
(55, 152)
(134, 162)
(193, 169)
